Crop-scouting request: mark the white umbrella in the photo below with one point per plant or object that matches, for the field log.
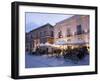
(42, 44)
(47, 43)
(78, 42)
(61, 42)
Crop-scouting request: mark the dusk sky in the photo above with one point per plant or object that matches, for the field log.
(35, 20)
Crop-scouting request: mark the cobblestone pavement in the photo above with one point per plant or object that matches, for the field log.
(32, 61)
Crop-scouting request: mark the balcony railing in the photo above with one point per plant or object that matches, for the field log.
(80, 32)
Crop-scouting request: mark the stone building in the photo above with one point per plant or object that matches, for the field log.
(27, 41)
(74, 31)
(40, 35)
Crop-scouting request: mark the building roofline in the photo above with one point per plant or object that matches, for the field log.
(67, 19)
(41, 27)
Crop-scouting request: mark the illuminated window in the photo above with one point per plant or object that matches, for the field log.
(60, 34)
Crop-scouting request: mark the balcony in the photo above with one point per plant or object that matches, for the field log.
(79, 32)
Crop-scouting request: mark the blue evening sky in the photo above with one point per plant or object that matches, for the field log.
(35, 20)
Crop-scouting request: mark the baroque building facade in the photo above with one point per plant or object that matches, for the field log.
(74, 31)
